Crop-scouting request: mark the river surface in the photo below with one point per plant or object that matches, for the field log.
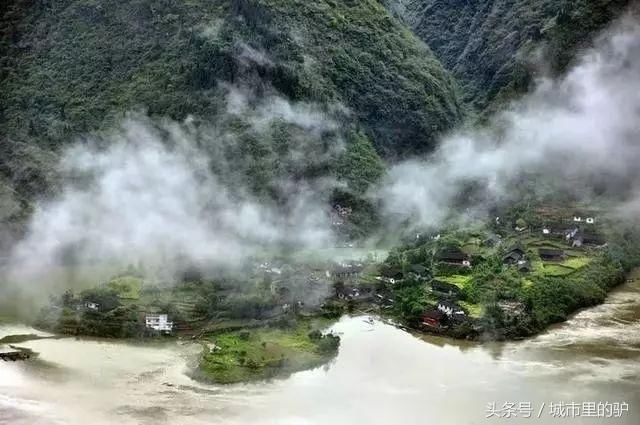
(382, 375)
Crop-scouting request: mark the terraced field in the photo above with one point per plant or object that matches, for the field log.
(458, 280)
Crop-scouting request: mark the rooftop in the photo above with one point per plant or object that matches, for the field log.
(550, 252)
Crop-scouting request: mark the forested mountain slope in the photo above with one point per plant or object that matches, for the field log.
(490, 44)
(70, 65)
(69, 68)
(73, 67)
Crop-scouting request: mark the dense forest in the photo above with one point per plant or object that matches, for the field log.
(495, 48)
(72, 68)
(394, 76)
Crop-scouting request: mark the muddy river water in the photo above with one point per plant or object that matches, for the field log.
(578, 372)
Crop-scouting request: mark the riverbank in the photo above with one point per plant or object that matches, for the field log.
(380, 376)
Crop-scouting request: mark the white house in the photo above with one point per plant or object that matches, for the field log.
(546, 231)
(577, 219)
(91, 305)
(158, 322)
(446, 308)
(450, 309)
(590, 220)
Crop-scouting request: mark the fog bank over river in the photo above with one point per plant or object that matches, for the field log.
(381, 376)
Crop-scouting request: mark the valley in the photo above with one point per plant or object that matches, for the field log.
(319, 212)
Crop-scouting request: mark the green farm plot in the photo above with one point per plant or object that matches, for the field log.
(572, 253)
(562, 268)
(537, 266)
(474, 310)
(547, 244)
(576, 262)
(127, 287)
(557, 269)
(532, 240)
(472, 248)
(459, 280)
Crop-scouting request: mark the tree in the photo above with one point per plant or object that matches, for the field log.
(410, 299)
(360, 166)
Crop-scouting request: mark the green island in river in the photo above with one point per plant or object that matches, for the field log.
(265, 353)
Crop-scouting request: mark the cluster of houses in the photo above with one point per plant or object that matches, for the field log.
(575, 235)
(347, 287)
(347, 271)
(156, 322)
(446, 313)
(577, 230)
(355, 292)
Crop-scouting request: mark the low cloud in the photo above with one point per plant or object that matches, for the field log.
(575, 133)
(148, 193)
(153, 192)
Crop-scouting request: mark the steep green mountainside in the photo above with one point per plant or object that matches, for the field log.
(488, 45)
(73, 67)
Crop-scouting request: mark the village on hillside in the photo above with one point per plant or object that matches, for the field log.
(496, 269)
(448, 282)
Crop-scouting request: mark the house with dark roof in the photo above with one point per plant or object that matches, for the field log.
(590, 239)
(347, 271)
(551, 254)
(515, 255)
(445, 288)
(454, 257)
(553, 229)
(524, 266)
(492, 240)
(571, 232)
